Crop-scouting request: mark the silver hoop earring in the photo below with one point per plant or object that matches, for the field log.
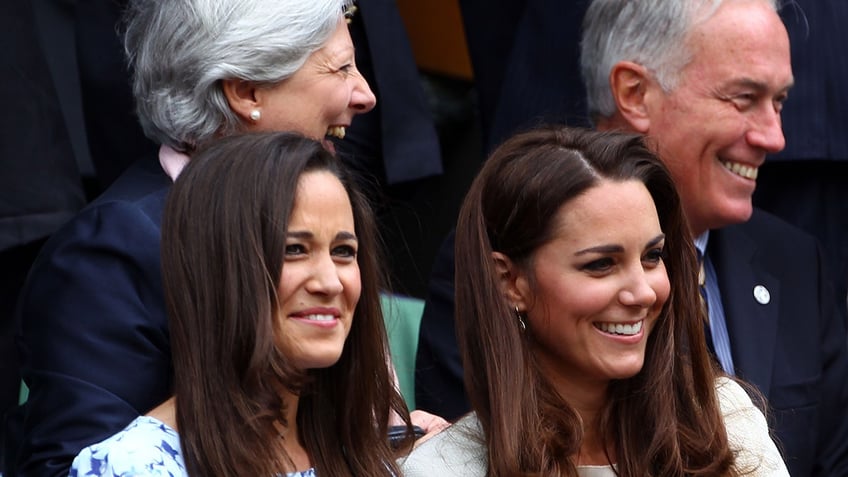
(255, 115)
(521, 324)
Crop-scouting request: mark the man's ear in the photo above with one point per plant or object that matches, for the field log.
(631, 86)
(514, 284)
(242, 98)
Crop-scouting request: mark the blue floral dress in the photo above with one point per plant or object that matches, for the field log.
(145, 448)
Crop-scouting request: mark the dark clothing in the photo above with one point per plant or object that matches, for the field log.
(93, 331)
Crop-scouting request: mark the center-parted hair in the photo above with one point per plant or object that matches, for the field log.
(180, 50)
(223, 245)
(664, 421)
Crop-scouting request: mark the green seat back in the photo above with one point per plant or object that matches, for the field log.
(402, 315)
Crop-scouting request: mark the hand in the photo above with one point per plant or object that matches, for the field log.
(431, 423)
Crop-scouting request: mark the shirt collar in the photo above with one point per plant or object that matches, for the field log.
(701, 242)
(172, 161)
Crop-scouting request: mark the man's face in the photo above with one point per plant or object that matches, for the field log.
(715, 128)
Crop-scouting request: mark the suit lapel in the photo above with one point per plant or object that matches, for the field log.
(752, 325)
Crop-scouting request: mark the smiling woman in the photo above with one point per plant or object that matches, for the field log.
(576, 287)
(270, 268)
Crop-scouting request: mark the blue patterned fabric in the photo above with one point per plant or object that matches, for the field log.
(145, 448)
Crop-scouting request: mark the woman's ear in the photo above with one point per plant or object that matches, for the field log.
(242, 98)
(513, 282)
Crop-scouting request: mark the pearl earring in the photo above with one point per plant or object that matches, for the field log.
(255, 115)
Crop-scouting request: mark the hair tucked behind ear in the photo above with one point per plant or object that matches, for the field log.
(665, 421)
(223, 239)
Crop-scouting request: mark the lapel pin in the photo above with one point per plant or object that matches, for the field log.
(762, 295)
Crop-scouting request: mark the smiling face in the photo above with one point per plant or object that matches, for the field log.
(322, 97)
(715, 128)
(594, 291)
(320, 283)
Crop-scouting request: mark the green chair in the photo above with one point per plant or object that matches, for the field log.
(402, 315)
(23, 394)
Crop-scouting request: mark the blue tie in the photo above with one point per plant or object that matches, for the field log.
(702, 281)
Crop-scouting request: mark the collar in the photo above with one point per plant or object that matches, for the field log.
(172, 161)
(701, 242)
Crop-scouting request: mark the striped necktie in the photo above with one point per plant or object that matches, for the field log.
(702, 286)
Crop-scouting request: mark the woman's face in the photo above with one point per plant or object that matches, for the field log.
(320, 284)
(598, 286)
(322, 97)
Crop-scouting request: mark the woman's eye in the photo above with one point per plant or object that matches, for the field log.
(295, 249)
(599, 265)
(345, 251)
(654, 255)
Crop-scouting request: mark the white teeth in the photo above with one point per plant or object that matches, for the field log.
(336, 131)
(619, 328)
(320, 317)
(747, 172)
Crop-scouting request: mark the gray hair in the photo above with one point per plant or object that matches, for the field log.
(652, 33)
(180, 51)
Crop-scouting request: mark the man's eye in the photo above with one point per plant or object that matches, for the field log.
(744, 100)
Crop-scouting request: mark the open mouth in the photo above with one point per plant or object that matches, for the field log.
(620, 329)
(741, 170)
(336, 131)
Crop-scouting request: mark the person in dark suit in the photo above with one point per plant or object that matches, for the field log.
(712, 118)
(93, 335)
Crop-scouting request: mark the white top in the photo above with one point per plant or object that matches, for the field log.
(459, 450)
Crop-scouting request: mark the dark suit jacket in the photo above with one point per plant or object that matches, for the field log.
(93, 333)
(794, 349)
(525, 55)
(815, 117)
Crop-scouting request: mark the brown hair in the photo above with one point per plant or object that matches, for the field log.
(664, 421)
(223, 239)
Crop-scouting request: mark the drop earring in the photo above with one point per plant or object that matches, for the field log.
(255, 115)
(521, 324)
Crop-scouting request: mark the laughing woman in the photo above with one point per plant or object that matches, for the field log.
(580, 326)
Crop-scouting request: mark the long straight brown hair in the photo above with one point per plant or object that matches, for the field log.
(664, 421)
(223, 240)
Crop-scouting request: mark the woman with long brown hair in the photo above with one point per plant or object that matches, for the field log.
(580, 326)
(271, 275)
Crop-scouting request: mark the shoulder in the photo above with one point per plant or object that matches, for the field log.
(762, 225)
(457, 451)
(145, 447)
(122, 225)
(747, 432)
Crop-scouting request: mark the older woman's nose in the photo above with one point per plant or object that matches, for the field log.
(362, 99)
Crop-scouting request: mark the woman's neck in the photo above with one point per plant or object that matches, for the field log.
(589, 401)
(289, 435)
